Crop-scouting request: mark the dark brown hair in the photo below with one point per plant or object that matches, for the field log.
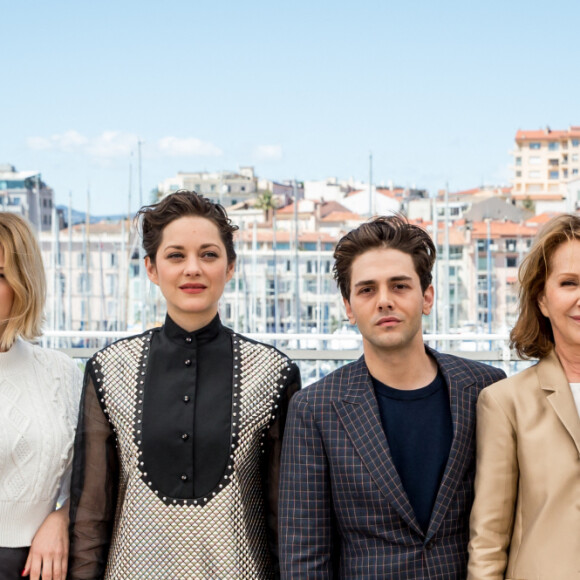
(532, 336)
(183, 203)
(393, 232)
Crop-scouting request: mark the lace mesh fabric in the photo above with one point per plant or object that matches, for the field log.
(220, 536)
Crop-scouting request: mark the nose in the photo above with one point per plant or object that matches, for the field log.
(192, 266)
(385, 301)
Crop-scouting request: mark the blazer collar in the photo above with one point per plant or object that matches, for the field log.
(556, 386)
(463, 399)
(359, 413)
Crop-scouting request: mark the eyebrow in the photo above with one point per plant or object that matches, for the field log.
(203, 246)
(393, 279)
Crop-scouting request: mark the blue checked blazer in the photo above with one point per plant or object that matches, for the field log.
(343, 510)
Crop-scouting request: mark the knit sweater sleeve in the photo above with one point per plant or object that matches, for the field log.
(73, 379)
(95, 480)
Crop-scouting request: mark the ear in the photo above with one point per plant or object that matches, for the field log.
(428, 299)
(349, 312)
(151, 270)
(230, 271)
(542, 305)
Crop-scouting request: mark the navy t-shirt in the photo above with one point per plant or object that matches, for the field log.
(419, 430)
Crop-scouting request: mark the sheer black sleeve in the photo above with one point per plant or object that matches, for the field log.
(272, 453)
(94, 487)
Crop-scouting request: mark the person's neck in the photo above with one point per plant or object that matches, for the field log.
(569, 357)
(406, 369)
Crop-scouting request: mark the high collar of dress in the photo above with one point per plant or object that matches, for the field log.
(176, 334)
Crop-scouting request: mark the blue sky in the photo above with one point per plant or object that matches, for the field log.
(436, 90)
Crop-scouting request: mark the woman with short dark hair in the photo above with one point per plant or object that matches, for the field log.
(178, 444)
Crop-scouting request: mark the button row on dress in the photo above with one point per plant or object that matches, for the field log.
(188, 363)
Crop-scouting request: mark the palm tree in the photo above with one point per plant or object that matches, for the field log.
(267, 203)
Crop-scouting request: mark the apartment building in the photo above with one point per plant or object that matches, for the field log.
(545, 161)
(225, 187)
(24, 193)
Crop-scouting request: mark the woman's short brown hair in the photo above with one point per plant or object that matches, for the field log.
(183, 203)
(24, 272)
(393, 232)
(532, 336)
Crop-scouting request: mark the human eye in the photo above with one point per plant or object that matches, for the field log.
(211, 254)
(401, 286)
(569, 282)
(174, 255)
(365, 290)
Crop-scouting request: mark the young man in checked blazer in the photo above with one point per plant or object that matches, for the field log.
(378, 459)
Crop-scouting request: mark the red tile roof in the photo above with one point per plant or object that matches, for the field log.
(547, 134)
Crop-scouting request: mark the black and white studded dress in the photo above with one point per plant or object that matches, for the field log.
(177, 455)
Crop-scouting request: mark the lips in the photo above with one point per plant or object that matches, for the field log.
(388, 321)
(192, 288)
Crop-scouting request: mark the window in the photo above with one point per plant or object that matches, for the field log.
(518, 161)
(81, 259)
(575, 142)
(534, 174)
(553, 175)
(534, 160)
(455, 252)
(84, 283)
(111, 284)
(553, 162)
(511, 262)
(113, 259)
(535, 145)
(574, 172)
(575, 157)
(510, 245)
(553, 146)
(518, 173)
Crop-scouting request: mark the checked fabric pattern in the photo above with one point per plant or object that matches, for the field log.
(343, 510)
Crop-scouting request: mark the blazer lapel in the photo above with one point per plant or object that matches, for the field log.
(463, 400)
(554, 383)
(359, 414)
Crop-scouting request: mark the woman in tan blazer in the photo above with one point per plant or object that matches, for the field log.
(525, 522)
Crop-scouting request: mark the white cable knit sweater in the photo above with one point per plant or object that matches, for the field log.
(39, 398)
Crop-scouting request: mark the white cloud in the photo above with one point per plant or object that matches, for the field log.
(188, 147)
(268, 152)
(67, 142)
(107, 145)
(112, 144)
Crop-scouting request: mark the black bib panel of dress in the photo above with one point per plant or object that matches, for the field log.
(187, 409)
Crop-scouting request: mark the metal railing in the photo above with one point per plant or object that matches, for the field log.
(316, 354)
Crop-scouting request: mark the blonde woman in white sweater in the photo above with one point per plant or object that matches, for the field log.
(39, 392)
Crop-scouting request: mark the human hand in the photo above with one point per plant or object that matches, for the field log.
(48, 553)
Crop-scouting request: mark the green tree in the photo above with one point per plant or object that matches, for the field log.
(267, 203)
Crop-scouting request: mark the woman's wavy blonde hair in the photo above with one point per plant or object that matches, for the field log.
(24, 272)
(532, 336)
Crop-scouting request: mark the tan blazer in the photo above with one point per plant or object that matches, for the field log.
(525, 522)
